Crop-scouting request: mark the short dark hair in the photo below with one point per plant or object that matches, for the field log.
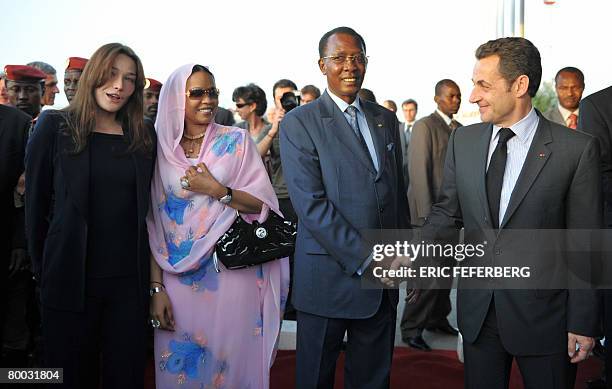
(43, 67)
(284, 83)
(252, 94)
(410, 101)
(571, 69)
(339, 30)
(311, 90)
(517, 56)
(367, 94)
(442, 83)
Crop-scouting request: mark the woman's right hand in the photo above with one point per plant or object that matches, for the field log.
(161, 309)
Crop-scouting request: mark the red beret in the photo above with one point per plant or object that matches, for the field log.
(76, 63)
(152, 84)
(23, 73)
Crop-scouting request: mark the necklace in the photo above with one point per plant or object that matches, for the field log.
(194, 137)
(190, 144)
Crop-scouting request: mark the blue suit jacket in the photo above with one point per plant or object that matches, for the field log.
(337, 194)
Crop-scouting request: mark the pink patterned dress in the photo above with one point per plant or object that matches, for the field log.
(227, 322)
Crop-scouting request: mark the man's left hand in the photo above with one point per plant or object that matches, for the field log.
(585, 345)
(18, 261)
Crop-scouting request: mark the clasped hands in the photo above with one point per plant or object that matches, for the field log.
(199, 179)
(578, 346)
(396, 263)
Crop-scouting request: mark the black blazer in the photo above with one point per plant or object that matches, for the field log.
(14, 128)
(57, 204)
(596, 119)
(224, 117)
(558, 189)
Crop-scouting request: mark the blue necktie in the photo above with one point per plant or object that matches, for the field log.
(352, 111)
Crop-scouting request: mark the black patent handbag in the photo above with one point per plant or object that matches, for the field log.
(245, 244)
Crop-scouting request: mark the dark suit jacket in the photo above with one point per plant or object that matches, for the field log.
(404, 142)
(224, 117)
(596, 119)
(426, 154)
(336, 194)
(558, 188)
(14, 128)
(57, 207)
(554, 115)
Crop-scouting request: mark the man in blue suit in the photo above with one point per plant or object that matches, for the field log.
(343, 166)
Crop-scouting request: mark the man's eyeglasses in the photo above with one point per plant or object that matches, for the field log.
(199, 93)
(341, 59)
(241, 105)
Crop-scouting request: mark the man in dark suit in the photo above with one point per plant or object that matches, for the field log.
(343, 166)
(427, 150)
(14, 128)
(513, 172)
(409, 109)
(224, 117)
(596, 119)
(569, 85)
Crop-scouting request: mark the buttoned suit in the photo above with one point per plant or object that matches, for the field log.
(337, 194)
(427, 150)
(558, 189)
(596, 119)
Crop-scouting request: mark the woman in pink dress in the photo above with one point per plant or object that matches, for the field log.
(214, 329)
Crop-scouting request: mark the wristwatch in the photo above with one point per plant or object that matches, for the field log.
(227, 198)
(155, 289)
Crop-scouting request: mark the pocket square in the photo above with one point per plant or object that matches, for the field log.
(390, 146)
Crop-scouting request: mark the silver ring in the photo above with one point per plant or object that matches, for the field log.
(155, 323)
(185, 182)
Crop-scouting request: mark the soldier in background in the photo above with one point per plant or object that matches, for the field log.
(151, 98)
(74, 68)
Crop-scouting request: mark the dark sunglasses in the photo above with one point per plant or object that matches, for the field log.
(238, 105)
(199, 93)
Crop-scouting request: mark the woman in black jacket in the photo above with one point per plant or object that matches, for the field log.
(88, 172)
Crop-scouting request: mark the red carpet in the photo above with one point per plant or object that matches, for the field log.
(416, 369)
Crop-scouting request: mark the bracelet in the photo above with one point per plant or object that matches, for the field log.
(271, 137)
(160, 283)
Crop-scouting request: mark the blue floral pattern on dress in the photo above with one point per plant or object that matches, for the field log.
(196, 278)
(193, 360)
(226, 143)
(175, 206)
(189, 357)
(177, 252)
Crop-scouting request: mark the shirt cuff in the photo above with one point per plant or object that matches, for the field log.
(365, 264)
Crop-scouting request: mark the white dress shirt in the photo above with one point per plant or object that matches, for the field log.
(363, 124)
(565, 113)
(518, 146)
(447, 120)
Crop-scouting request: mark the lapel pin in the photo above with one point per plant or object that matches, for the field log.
(541, 155)
(379, 125)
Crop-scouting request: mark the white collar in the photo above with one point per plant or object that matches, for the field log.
(566, 112)
(447, 120)
(523, 128)
(343, 105)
